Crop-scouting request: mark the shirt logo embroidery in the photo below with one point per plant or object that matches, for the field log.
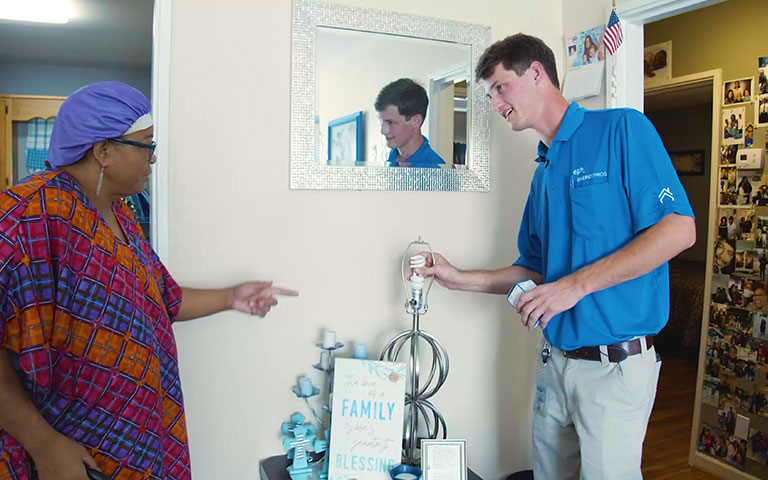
(665, 193)
(588, 176)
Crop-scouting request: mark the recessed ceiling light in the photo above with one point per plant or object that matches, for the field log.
(45, 11)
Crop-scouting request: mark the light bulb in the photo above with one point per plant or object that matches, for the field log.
(417, 281)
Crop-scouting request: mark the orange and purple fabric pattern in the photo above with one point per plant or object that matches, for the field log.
(87, 319)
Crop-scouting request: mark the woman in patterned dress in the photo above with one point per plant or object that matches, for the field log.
(88, 362)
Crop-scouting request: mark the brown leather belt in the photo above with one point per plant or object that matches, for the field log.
(617, 352)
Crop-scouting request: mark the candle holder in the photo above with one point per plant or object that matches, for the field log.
(305, 390)
(327, 353)
(419, 411)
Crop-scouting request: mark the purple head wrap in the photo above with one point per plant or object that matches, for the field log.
(96, 112)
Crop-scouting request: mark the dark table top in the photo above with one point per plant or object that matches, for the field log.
(273, 468)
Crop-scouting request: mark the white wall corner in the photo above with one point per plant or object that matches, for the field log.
(161, 86)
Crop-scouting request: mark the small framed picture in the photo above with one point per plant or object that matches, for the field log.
(738, 91)
(688, 162)
(761, 112)
(733, 126)
(444, 459)
(345, 140)
(657, 63)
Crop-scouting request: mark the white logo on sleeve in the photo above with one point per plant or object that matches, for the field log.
(578, 171)
(665, 193)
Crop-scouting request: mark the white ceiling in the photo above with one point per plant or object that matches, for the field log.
(101, 33)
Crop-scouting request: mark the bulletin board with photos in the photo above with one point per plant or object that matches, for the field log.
(734, 411)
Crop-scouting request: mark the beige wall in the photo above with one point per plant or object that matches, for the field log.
(232, 218)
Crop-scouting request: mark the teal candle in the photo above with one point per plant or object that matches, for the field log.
(305, 386)
(360, 351)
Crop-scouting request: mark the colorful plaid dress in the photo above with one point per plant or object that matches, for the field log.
(87, 320)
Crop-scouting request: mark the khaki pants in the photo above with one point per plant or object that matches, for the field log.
(590, 418)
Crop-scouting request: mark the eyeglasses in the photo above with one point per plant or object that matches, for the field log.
(150, 146)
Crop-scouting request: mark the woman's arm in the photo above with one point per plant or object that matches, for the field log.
(253, 298)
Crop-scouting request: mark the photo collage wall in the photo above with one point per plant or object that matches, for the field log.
(734, 418)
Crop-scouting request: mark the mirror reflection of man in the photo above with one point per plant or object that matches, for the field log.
(402, 108)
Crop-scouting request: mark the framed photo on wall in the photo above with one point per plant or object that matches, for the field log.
(688, 162)
(657, 63)
(738, 91)
(761, 111)
(732, 126)
(345, 140)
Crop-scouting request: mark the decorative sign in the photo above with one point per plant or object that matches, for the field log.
(367, 424)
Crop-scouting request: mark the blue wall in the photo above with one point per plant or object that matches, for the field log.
(17, 79)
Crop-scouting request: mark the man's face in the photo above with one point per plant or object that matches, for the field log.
(723, 254)
(398, 130)
(759, 298)
(510, 96)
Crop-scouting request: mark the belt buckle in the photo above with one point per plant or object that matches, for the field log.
(619, 353)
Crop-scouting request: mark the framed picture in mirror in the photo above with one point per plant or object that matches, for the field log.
(345, 140)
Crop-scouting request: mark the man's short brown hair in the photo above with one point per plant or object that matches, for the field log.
(516, 53)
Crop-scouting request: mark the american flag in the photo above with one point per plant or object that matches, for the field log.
(613, 36)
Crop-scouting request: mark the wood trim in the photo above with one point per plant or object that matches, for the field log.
(23, 109)
(34, 97)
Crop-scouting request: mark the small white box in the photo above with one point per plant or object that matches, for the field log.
(750, 158)
(518, 290)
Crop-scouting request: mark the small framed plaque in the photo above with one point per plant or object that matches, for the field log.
(444, 459)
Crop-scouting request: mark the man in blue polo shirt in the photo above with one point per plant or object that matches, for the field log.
(604, 214)
(402, 108)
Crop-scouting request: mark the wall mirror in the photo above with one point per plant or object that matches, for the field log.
(342, 56)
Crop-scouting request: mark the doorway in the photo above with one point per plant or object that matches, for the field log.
(683, 111)
(127, 41)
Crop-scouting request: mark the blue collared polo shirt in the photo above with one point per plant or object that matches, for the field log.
(605, 178)
(424, 157)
